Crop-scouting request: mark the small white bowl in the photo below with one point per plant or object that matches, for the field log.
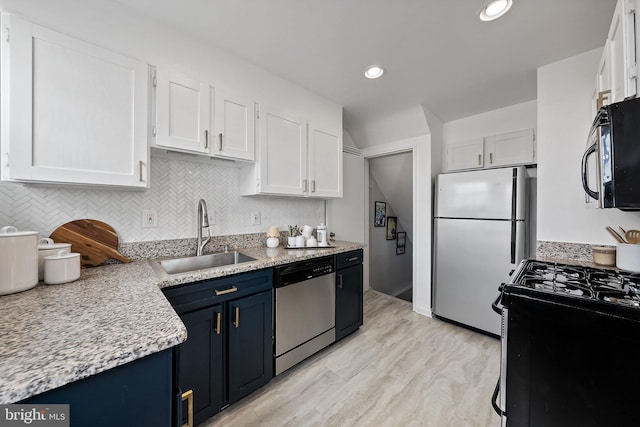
(64, 267)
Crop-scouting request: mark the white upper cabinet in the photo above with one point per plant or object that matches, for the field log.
(182, 112)
(282, 165)
(72, 112)
(295, 158)
(465, 155)
(234, 126)
(617, 71)
(514, 148)
(196, 117)
(325, 163)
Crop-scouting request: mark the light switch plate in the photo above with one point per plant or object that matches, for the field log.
(149, 218)
(255, 218)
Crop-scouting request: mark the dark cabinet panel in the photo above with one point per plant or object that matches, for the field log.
(200, 362)
(137, 393)
(349, 295)
(250, 344)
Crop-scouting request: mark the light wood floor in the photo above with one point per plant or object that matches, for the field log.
(399, 369)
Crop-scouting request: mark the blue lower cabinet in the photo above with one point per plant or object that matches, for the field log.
(229, 349)
(250, 344)
(349, 292)
(138, 393)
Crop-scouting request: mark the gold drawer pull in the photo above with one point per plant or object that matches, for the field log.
(218, 319)
(188, 396)
(340, 281)
(355, 258)
(236, 323)
(226, 291)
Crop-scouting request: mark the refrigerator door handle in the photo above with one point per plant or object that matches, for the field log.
(514, 205)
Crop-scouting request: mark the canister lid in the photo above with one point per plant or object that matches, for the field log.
(62, 255)
(11, 231)
(48, 244)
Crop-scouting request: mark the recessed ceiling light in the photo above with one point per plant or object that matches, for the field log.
(494, 9)
(373, 72)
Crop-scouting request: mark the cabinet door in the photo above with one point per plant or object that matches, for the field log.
(325, 163)
(235, 119)
(348, 300)
(76, 113)
(621, 52)
(250, 344)
(200, 362)
(510, 149)
(283, 153)
(465, 155)
(603, 81)
(183, 112)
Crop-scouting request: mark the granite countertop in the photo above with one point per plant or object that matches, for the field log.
(52, 335)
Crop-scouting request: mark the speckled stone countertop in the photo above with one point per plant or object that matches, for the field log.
(52, 335)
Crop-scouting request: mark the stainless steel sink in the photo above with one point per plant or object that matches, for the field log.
(171, 266)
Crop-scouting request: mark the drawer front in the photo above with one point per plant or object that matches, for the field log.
(196, 295)
(348, 259)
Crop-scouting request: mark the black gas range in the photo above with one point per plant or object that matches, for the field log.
(570, 346)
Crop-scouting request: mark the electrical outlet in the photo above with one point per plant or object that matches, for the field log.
(149, 218)
(255, 218)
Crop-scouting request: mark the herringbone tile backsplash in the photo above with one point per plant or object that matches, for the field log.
(176, 187)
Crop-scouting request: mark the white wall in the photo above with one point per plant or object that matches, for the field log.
(564, 118)
(504, 120)
(114, 26)
(401, 125)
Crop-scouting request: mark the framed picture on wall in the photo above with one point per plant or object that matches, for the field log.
(380, 214)
(401, 243)
(392, 223)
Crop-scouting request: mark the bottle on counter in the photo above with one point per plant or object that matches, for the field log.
(322, 235)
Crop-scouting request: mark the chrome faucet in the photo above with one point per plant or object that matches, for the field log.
(203, 222)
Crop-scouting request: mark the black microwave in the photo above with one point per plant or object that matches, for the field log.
(614, 139)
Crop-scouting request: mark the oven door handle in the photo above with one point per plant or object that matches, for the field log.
(494, 304)
(494, 399)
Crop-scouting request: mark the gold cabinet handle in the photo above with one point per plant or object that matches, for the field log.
(226, 291)
(220, 137)
(490, 158)
(206, 138)
(218, 320)
(340, 281)
(355, 258)
(236, 322)
(479, 159)
(140, 170)
(188, 396)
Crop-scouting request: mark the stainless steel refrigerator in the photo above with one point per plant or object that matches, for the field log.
(480, 236)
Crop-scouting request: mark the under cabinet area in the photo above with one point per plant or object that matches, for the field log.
(229, 349)
(194, 116)
(349, 293)
(514, 148)
(61, 99)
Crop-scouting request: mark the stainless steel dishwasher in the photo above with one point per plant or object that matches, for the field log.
(305, 310)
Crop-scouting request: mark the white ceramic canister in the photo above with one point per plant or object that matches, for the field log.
(628, 257)
(321, 231)
(18, 260)
(47, 247)
(62, 267)
(300, 241)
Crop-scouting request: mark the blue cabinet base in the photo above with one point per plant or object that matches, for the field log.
(135, 394)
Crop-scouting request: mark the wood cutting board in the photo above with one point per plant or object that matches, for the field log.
(94, 240)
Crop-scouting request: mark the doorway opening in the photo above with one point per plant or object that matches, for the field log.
(390, 232)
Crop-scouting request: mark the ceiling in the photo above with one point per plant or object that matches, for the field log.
(437, 54)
